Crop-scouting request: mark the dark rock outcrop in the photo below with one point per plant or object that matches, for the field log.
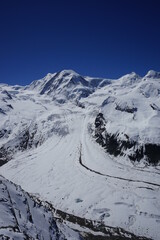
(152, 151)
(116, 146)
(99, 129)
(25, 140)
(126, 109)
(5, 155)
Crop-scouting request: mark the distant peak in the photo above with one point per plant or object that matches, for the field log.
(134, 74)
(68, 72)
(61, 74)
(49, 74)
(131, 75)
(152, 74)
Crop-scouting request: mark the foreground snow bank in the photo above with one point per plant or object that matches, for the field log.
(23, 218)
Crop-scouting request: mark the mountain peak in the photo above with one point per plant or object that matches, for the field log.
(66, 72)
(130, 79)
(152, 74)
(130, 75)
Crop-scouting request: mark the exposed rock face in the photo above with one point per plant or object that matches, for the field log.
(152, 152)
(117, 146)
(100, 129)
(4, 156)
(25, 140)
(126, 109)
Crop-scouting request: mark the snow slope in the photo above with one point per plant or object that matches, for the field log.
(53, 152)
(23, 218)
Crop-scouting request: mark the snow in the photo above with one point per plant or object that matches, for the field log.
(152, 74)
(69, 169)
(138, 95)
(22, 218)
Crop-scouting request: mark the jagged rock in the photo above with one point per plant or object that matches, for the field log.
(99, 129)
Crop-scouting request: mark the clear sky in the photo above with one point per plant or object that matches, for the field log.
(105, 38)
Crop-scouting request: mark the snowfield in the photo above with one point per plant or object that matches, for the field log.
(48, 145)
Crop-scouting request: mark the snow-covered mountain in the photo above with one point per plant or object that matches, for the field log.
(131, 114)
(67, 85)
(89, 146)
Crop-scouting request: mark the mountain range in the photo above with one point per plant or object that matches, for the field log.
(88, 147)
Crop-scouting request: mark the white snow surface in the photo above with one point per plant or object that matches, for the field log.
(66, 166)
(23, 218)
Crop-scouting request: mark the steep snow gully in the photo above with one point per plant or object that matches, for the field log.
(65, 166)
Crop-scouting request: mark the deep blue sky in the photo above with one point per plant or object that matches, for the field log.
(105, 38)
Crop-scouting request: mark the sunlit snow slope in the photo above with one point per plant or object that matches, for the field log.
(83, 144)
